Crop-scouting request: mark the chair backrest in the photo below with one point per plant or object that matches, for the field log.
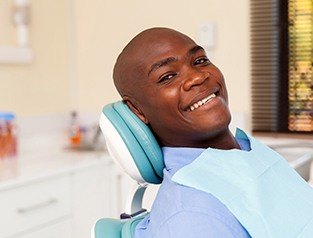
(131, 144)
(134, 148)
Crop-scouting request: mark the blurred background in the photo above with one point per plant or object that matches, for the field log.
(75, 44)
(56, 61)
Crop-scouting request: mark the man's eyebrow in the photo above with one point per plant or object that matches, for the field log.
(161, 63)
(166, 61)
(195, 49)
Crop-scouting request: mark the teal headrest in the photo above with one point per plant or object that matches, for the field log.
(137, 138)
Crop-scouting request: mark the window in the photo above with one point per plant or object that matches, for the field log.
(282, 58)
(300, 65)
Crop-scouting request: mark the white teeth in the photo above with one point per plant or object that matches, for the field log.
(202, 102)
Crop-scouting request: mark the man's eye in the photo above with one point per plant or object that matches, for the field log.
(202, 61)
(167, 77)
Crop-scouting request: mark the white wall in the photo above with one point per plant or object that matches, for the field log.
(40, 87)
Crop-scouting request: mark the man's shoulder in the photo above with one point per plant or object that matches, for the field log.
(190, 222)
(173, 199)
(187, 198)
(179, 208)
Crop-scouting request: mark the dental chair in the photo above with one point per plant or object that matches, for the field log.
(133, 147)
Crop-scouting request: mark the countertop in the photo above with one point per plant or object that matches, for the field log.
(45, 160)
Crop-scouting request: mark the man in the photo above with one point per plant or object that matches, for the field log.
(167, 80)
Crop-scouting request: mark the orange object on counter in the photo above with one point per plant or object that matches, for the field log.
(75, 136)
(8, 136)
(75, 132)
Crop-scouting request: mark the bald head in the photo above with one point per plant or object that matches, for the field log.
(130, 68)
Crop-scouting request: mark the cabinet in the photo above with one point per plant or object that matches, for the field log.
(91, 198)
(61, 229)
(34, 205)
(58, 197)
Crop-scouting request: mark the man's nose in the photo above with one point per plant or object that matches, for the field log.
(195, 78)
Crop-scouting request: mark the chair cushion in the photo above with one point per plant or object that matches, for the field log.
(144, 137)
(114, 228)
(137, 139)
(108, 228)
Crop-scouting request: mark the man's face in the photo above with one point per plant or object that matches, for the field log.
(181, 94)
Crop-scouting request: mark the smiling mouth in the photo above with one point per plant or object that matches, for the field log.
(201, 102)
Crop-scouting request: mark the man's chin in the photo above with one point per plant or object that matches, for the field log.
(215, 127)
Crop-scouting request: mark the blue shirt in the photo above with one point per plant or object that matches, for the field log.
(180, 211)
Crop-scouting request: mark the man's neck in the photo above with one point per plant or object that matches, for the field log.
(223, 141)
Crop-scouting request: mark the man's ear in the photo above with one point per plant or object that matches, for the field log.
(136, 110)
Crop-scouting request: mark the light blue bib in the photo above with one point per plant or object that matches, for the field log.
(258, 186)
